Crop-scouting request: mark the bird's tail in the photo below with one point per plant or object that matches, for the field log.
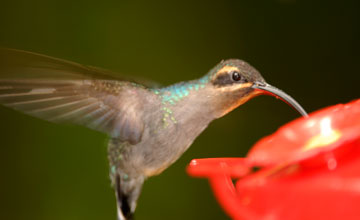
(127, 193)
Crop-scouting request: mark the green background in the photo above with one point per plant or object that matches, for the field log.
(310, 49)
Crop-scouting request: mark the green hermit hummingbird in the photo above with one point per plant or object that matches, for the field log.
(149, 128)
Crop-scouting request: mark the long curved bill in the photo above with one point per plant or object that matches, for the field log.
(273, 91)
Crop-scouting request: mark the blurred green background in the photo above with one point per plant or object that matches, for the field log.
(310, 49)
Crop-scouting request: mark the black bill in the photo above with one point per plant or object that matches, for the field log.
(273, 91)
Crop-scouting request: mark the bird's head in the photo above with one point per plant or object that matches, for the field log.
(233, 82)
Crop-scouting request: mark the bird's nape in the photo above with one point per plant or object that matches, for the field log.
(149, 129)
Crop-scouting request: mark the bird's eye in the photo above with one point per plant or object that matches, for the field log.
(236, 76)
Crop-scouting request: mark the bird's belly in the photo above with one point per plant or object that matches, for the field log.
(155, 153)
(159, 149)
(153, 160)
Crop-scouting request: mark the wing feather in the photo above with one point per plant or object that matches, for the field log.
(66, 92)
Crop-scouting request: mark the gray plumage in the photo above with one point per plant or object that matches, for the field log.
(149, 128)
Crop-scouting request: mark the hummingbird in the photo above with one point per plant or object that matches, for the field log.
(148, 127)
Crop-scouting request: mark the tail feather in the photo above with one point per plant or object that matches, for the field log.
(127, 194)
(123, 206)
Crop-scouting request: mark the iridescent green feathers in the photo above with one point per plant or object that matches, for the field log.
(65, 92)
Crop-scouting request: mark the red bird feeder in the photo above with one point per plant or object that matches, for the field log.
(308, 169)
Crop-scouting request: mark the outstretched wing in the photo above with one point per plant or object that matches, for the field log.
(66, 92)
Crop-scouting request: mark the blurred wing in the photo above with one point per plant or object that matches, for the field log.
(24, 64)
(66, 92)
